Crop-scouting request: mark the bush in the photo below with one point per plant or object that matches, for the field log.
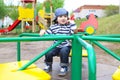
(111, 10)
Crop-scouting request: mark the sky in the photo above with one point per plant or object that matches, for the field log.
(71, 5)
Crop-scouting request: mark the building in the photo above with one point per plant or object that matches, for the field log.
(84, 11)
(5, 22)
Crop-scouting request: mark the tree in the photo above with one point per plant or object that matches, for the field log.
(111, 10)
(3, 9)
(39, 6)
(55, 4)
(13, 12)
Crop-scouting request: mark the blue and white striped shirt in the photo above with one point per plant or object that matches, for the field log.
(62, 29)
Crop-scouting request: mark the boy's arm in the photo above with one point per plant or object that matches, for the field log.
(74, 28)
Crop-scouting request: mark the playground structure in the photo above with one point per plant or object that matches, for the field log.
(44, 16)
(29, 71)
(11, 27)
(29, 15)
(24, 15)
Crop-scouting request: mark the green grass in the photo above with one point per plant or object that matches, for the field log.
(109, 25)
(117, 51)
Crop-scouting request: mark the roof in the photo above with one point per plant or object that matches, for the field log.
(90, 7)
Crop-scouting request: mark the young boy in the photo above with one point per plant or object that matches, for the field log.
(61, 26)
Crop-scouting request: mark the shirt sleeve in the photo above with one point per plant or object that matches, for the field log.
(49, 31)
(73, 26)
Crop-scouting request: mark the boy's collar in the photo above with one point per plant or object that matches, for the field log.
(62, 24)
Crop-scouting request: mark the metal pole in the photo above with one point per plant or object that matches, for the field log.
(39, 56)
(18, 51)
(107, 50)
(76, 72)
(91, 59)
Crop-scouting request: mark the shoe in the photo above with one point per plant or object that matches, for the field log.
(48, 68)
(63, 71)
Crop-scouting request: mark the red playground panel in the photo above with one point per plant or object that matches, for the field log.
(92, 21)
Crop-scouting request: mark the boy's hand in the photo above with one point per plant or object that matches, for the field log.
(78, 30)
(42, 32)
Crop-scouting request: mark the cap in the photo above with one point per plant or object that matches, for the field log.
(59, 12)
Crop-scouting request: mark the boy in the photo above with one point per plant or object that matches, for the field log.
(61, 26)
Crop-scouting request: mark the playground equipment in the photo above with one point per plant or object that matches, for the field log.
(116, 75)
(78, 40)
(29, 71)
(44, 16)
(9, 71)
(27, 14)
(90, 25)
(49, 14)
(41, 19)
(11, 27)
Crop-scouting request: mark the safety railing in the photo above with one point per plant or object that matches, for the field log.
(92, 60)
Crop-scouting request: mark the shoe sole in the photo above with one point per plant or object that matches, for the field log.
(62, 74)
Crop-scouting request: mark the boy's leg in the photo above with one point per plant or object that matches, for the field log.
(49, 59)
(64, 58)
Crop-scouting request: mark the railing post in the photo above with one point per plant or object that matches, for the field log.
(76, 68)
(18, 51)
(91, 59)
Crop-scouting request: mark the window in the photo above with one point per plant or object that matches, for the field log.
(92, 10)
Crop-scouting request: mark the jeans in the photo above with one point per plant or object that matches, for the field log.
(62, 52)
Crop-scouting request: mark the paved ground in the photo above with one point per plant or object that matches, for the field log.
(106, 65)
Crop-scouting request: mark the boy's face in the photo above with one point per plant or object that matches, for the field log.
(63, 19)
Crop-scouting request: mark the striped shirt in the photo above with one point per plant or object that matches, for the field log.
(62, 29)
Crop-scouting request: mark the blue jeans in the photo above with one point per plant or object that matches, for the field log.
(62, 52)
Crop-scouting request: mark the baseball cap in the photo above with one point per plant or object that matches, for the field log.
(59, 12)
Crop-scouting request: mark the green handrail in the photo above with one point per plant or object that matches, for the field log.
(100, 38)
(110, 35)
(76, 67)
(91, 59)
(39, 56)
(107, 50)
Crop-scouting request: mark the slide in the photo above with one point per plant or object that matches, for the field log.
(11, 27)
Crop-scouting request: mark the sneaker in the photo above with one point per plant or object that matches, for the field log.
(48, 68)
(63, 71)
